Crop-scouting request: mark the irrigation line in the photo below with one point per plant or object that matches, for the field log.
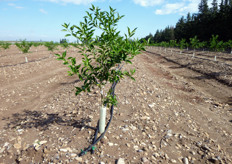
(218, 62)
(222, 81)
(189, 54)
(12, 65)
(96, 140)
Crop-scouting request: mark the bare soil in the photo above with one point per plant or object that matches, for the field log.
(179, 110)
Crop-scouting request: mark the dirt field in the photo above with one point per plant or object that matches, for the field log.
(179, 110)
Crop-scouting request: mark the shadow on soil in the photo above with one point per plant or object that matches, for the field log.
(204, 74)
(229, 101)
(42, 121)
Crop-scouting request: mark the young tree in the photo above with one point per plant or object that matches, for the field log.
(51, 46)
(5, 45)
(172, 44)
(101, 55)
(182, 45)
(216, 45)
(229, 45)
(24, 46)
(194, 43)
(36, 44)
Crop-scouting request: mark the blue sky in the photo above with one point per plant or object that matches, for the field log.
(42, 19)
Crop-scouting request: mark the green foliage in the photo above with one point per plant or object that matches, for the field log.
(164, 44)
(64, 45)
(229, 44)
(101, 54)
(74, 45)
(172, 43)
(210, 20)
(5, 45)
(194, 42)
(63, 41)
(36, 44)
(50, 45)
(216, 45)
(202, 44)
(24, 46)
(182, 44)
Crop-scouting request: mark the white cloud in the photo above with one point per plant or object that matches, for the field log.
(170, 8)
(11, 4)
(43, 11)
(183, 7)
(15, 6)
(19, 7)
(146, 3)
(77, 2)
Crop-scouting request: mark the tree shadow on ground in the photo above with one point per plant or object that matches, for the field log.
(229, 101)
(42, 121)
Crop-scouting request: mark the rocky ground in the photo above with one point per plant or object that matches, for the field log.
(170, 114)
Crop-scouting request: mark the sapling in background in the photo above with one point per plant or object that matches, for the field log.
(172, 44)
(64, 45)
(36, 45)
(182, 45)
(24, 47)
(5, 45)
(215, 45)
(229, 45)
(101, 54)
(194, 43)
(51, 46)
(202, 45)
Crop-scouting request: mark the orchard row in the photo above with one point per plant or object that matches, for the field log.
(25, 46)
(213, 44)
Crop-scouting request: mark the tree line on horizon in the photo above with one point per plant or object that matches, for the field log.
(216, 20)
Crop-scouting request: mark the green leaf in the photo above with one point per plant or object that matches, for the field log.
(67, 35)
(64, 54)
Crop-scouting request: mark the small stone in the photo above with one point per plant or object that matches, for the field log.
(79, 159)
(151, 105)
(42, 142)
(205, 147)
(17, 146)
(156, 155)
(2, 150)
(73, 155)
(64, 150)
(185, 160)
(139, 150)
(173, 161)
(20, 130)
(192, 152)
(56, 156)
(145, 160)
(5, 144)
(121, 161)
(133, 127)
(110, 144)
(136, 147)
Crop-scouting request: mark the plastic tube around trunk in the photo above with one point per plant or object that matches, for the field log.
(102, 121)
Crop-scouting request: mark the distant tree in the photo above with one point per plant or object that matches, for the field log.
(203, 7)
(63, 41)
(214, 8)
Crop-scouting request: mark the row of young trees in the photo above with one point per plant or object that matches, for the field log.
(25, 46)
(216, 20)
(194, 43)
